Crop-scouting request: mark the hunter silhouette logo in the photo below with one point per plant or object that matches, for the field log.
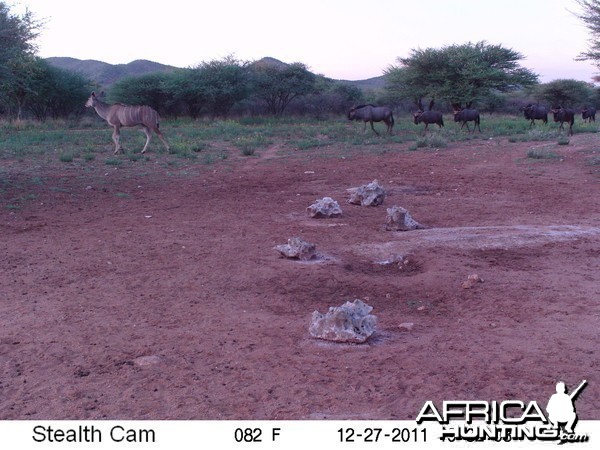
(508, 420)
(561, 406)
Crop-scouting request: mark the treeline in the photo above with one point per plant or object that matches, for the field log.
(225, 87)
(231, 88)
(31, 88)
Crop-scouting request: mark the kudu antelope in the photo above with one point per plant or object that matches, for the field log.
(466, 115)
(429, 116)
(119, 115)
(371, 113)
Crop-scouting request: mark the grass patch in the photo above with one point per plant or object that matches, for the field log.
(134, 156)
(113, 162)
(542, 154)
(16, 204)
(66, 157)
(249, 144)
(207, 142)
(593, 161)
(430, 141)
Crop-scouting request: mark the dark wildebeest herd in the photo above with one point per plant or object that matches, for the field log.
(560, 114)
(371, 113)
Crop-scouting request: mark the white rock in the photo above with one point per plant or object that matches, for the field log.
(297, 248)
(371, 194)
(324, 208)
(399, 219)
(145, 361)
(350, 322)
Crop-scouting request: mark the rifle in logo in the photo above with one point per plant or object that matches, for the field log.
(561, 406)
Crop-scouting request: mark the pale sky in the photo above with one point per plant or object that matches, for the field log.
(341, 39)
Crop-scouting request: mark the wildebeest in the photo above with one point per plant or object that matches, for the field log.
(563, 115)
(429, 116)
(588, 114)
(119, 115)
(535, 112)
(466, 115)
(372, 113)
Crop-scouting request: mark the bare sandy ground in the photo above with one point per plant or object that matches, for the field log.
(136, 293)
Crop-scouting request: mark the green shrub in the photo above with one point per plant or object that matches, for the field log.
(66, 157)
(542, 154)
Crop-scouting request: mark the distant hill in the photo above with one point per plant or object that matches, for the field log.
(370, 83)
(270, 62)
(105, 74)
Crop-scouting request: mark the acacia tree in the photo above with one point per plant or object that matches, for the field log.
(17, 33)
(222, 84)
(17, 50)
(591, 17)
(278, 86)
(142, 90)
(212, 87)
(22, 74)
(458, 73)
(566, 93)
(28, 85)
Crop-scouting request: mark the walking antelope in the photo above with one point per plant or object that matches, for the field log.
(466, 115)
(429, 116)
(119, 115)
(563, 115)
(371, 113)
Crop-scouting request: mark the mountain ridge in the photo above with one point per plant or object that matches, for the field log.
(106, 74)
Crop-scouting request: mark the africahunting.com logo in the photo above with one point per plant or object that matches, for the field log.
(510, 420)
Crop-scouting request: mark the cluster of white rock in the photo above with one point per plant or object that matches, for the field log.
(351, 322)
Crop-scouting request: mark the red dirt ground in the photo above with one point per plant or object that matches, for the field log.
(143, 293)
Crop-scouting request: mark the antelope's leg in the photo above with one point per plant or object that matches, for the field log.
(148, 134)
(162, 138)
(373, 128)
(116, 137)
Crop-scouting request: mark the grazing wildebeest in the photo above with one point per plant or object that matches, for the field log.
(119, 115)
(429, 116)
(535, 112)
(588, 114)
(372, 113)
(466, 115)
(563, 115)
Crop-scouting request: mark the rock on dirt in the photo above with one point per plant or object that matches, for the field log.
(297, 248)
(371, 194)
(351, 322)
(324, 208)
(146, 361)
(472, 280)
(399, 219)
